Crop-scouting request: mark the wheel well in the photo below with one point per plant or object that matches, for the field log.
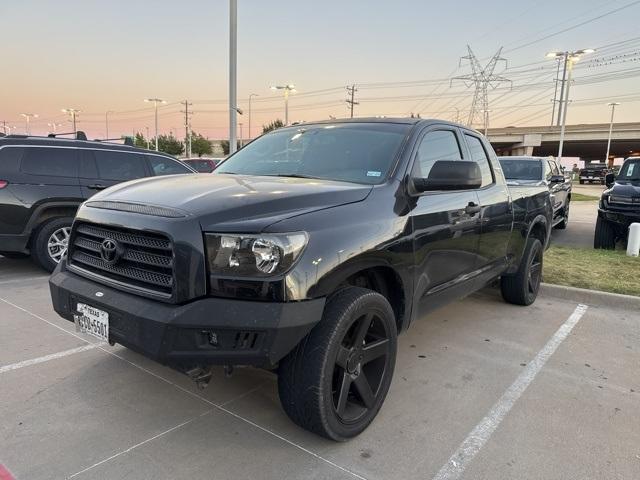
(387, 283)
(48, 214)
(539, 231)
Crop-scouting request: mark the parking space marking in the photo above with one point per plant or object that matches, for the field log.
(46, 358)
(193, 394)
(161, 434)
(476, 439)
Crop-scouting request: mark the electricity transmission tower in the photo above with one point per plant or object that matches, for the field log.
(351, 91)
(481, 79)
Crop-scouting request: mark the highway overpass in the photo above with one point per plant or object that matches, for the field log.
(587, 141)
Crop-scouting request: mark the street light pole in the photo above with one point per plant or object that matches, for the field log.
(233, 64)
(613, 110)
(148, 140)
(155, 102)
(287, 89)
(486, 121)
(72, 113)
(241, 136)
(27, 121)
(106, 122)
(251, 95)
(54, 127)
(569, 58)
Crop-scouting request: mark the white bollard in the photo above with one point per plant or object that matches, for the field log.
(633, 243)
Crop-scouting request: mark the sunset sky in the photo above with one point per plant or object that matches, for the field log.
(109, 56)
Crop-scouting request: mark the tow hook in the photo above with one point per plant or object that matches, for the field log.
(202, 376)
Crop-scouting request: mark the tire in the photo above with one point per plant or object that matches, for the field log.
(522, 288)
(604, 236)
(50, 231)
(321, 382)
(565, 220)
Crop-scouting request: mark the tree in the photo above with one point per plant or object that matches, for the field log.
(272, 126)
(225, 146)
(139, 141)
(169, 144)
(200, 145)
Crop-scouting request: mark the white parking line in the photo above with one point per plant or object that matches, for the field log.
(139, 444)
(474, 442)
(46, 358)
(215, 405)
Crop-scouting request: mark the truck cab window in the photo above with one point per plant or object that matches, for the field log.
(434, 146)
(479, 155)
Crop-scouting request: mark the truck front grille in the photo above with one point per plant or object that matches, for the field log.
(133, 258)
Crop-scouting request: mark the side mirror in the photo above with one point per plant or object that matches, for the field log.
(609, 179)
(557, 179)
(450, 175)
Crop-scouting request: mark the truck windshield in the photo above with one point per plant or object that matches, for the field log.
(521, 169)
(349, 152)
(630, 170)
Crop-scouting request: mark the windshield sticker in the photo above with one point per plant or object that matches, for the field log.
(630, 169)
(373, 173)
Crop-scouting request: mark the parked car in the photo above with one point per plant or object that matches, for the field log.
(43, 181)
(203, 165)
(541, 171)
(593, 173)
(619, 205)
(305, 252)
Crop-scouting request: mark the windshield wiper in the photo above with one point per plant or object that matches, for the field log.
(292, 175)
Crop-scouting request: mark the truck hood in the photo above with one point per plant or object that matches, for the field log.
(625, 188)
(238, 203)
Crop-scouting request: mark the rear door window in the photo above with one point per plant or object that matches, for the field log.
(479, 155)
(166, 166)
(119, 166)
(51, 162)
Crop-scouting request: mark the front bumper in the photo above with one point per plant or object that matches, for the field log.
(205, 331)
(622, 218)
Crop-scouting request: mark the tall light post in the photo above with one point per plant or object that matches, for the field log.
(148, 140)
(73, 113)
(106, 122)
(570, 59)
(233, 64)
(251, 95)
(155, 102)
(241, 136)
(613, 106)
(27, 121)
(287, 89)
(486, 121)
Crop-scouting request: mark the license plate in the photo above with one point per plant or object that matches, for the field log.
(590, 178)
(93, 321)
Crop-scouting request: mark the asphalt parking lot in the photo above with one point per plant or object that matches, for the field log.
(582, 219)
(482, 390)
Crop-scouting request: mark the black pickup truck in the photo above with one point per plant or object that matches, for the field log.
(306, 252)
(619, 205)
(536, 171)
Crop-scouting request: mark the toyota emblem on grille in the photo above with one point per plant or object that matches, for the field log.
(110, 251)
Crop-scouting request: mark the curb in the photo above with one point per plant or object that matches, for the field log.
(591, 297)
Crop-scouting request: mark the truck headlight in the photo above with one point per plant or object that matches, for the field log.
(261, 255)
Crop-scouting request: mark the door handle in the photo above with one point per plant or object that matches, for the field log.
(96, 186)
(472, 208)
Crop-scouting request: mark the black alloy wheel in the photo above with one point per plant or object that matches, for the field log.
(360, 367)
(335, 381)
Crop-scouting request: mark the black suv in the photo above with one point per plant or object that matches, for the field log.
(305, 252)
(619, 205)
(43, 181)
(541, 171)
